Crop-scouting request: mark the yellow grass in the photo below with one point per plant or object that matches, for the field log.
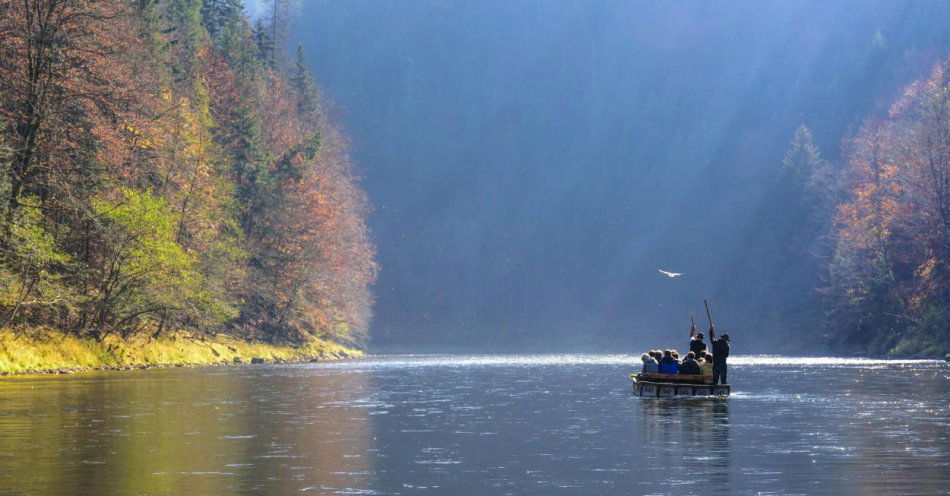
(44, 349)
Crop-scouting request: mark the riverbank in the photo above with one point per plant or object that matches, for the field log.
(42, 351)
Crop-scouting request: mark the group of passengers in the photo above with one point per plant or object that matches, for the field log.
(697, 361)
(668, 362)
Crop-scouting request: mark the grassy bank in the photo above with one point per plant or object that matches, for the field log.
(43, 350)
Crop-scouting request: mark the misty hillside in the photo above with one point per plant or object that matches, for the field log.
(533, 164)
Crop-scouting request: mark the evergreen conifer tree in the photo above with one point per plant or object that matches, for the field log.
(302, 80)
(216, 15)
(265, 42)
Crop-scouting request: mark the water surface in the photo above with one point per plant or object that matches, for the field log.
(478, 425)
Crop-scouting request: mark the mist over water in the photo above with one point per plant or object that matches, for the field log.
(533, 164)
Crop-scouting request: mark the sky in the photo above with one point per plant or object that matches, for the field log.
(532, 165)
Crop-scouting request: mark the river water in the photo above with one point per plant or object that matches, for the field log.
(478, 425)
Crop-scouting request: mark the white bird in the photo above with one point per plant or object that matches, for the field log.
(670, 274)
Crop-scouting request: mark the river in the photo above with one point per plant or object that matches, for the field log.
(478, 425)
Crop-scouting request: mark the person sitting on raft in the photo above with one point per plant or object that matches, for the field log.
(650, 366)
(657, 355)
(707, 369)
(690, 365)
(669, 365)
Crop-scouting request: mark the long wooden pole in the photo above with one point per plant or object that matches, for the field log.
(709, 315)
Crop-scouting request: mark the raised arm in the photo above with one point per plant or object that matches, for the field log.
(712, 332)
(692, 328)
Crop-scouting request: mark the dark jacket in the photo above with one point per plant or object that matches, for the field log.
(690, 366)
(697, 345)
(720, 350)
(669, 365)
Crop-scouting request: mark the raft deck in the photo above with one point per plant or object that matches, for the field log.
(670, 385)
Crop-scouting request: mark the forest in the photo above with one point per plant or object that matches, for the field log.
(170, 165)
(871, 232)
(167, 166)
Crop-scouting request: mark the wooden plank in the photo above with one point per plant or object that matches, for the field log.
(647, 390)
(660, 385)
(684, 391)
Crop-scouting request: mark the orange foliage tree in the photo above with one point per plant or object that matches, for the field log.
(890, 268)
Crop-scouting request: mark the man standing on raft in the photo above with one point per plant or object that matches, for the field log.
(720, 353)
(696, 343)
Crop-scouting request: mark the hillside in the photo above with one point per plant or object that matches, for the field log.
(165, 167)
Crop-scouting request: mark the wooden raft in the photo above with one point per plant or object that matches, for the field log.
(670, 385)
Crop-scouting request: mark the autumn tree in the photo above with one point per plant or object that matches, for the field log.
(889, 272)
(147, 272)
(68, 110)
(62, 82)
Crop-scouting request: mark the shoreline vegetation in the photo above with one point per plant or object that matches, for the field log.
(47, 351)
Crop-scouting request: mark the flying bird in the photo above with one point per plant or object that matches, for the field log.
(670, 274)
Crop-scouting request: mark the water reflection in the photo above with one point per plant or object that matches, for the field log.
(688, 433)
(184, 432)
